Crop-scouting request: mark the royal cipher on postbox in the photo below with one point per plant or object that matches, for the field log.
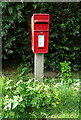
(40, 32)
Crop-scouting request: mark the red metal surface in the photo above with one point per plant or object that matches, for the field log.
(40, 26)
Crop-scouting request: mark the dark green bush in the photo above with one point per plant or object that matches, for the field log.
(64, 41)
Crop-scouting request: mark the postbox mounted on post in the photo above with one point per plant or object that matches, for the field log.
(40, 32)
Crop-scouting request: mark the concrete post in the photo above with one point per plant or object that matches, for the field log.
(38, 67)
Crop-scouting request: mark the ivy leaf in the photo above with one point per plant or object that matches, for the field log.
(10, 9)
(19, 14)
(4, 4)
(34, 6)
(63, 26)
(10, 52)
(6, 26)
(19, 6)
(76, 48)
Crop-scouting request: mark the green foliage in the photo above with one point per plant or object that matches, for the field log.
(27, 99)
(66, 76)
(64, 41)
(70, 99)
(24, 69)
(65, 72)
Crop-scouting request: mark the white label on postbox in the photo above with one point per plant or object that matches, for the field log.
(40, 40)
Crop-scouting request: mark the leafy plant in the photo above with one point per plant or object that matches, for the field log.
(65, 72)
(27, 99)
(23, 70)
(24, 98)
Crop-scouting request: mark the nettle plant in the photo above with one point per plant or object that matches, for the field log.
(28, 99)
(65, 72)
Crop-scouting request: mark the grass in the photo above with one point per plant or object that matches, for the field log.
(68, 94)
(69, 104)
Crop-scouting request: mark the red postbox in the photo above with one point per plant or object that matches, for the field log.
(40, 32)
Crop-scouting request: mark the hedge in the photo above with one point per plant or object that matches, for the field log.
(64, 41)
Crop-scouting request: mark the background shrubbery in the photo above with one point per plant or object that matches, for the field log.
(64, 41)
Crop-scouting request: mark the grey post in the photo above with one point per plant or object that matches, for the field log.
(38, 67)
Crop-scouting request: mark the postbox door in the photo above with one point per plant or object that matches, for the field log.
(41, 42)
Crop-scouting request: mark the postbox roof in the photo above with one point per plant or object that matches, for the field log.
(41, 17)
